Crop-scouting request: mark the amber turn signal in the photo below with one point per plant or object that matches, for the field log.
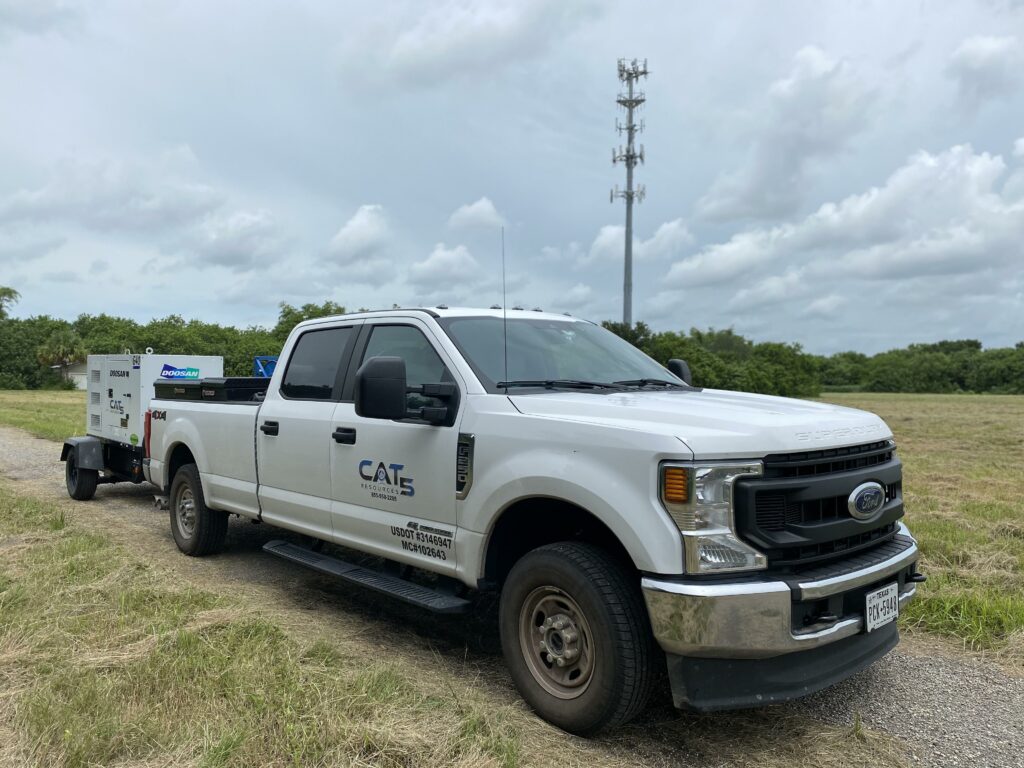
(675, 485)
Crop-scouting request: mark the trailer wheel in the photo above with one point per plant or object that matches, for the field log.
(197, 529)
(576, 638)
(81, 482)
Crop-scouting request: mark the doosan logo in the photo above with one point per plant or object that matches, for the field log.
(170, 372)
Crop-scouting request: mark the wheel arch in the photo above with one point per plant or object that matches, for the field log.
(178, 456)
(533, 521)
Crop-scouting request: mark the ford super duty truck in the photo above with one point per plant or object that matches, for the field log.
(749, 548)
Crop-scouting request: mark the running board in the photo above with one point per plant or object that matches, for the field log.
(406, 591)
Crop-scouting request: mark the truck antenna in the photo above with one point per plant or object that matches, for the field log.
(504, 305)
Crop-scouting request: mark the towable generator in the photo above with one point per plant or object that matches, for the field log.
(117, 398)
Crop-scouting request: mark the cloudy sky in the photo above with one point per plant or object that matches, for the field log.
(849, 175)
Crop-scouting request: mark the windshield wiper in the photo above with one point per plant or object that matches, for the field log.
(559, 384)
(650, 383)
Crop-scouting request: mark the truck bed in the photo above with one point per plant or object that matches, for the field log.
(220, 433)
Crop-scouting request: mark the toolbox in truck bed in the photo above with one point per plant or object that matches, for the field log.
(236, 389)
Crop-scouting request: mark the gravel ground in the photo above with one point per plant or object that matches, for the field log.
(946, 709)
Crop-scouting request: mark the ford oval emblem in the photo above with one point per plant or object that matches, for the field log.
(866, 501)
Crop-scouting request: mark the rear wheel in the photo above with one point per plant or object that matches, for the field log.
(197, 529)
(81, 482)
(576, 638)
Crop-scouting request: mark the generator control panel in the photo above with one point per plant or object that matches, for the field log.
(121, 386)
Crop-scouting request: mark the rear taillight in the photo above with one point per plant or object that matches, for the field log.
(145, 434)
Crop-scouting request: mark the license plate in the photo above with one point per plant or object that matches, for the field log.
(881, 606)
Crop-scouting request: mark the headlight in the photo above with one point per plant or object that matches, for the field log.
(699, 499)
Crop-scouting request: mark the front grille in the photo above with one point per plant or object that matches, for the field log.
(797, 513)
(777, 509)
(827, 462)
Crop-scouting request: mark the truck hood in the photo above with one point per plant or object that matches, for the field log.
(715, 423)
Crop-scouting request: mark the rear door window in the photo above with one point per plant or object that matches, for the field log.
(312, 372)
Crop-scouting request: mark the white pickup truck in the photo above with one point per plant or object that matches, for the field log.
(750, 547)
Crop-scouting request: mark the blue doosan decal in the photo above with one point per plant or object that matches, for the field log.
(170, 372)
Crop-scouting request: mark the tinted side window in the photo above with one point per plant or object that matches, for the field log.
(313, 366)
(422, 363)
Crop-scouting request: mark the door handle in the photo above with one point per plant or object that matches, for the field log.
(270, 428)
(344, 435)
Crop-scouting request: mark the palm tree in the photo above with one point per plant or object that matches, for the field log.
(8, 296)
(64, 348)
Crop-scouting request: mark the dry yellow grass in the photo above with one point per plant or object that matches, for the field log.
(963, 458)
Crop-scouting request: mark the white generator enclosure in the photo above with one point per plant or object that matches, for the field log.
(121, 386)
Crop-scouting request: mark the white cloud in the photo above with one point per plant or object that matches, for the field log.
(770, 290)
(154, 201)
(986, 68)
(668, 240)
(609, 244)
(105, 194)
(481, 214)
(238, 240)
(825, 306)
(810, 114)
(360, 249)
(938, 214)
(429, 44)
(576, 297)
(1018, 147)
(444, 267)
(362, 237)
(725, 261)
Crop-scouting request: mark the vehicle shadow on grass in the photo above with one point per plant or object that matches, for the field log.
(469, 649)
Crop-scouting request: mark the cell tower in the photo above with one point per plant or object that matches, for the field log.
(629, 73)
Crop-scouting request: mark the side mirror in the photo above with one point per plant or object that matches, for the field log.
(380, 388)
(680, 369)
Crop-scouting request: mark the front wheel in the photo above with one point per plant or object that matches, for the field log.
(197, 529)
(576, 638)
(81, 482)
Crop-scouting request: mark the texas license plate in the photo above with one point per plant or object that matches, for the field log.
(882, 606)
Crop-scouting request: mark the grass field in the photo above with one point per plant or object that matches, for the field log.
(963, 461)
(109, 661)
(50, 414)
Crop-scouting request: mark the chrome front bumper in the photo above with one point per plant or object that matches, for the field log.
(752, 619)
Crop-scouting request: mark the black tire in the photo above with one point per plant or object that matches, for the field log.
(197, 529)
(81, 483)
(614, 650)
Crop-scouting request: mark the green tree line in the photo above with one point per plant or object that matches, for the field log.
(31, 347)
(35, 352)
(723, 359)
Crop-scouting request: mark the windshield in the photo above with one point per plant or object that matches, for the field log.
(553, 352)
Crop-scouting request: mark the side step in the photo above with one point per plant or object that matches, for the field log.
(403, 590)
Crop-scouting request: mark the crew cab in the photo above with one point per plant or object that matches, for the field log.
(751, 547)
